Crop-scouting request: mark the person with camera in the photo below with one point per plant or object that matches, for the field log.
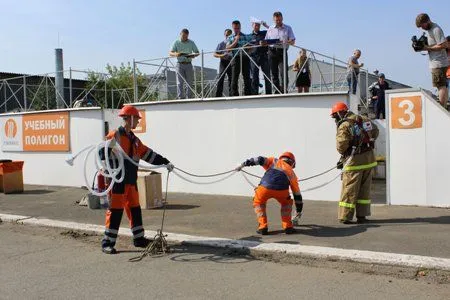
(448, 58)
(437, 46)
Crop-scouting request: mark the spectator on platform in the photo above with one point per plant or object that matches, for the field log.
(353, 71)
(448, 58)
(278, 52)
(380, 96)
(225, 66)
(301, 66)
(260, 59)
(184, 50)
(239, 40)
(437, 53)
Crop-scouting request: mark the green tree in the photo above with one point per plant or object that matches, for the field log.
(41, 97)
(119, 86)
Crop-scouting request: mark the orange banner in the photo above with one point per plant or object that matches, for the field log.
(46, 132)
(142, 126)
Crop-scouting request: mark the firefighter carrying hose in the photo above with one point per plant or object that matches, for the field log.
(355, 141)
(275, 183)
(124, 195)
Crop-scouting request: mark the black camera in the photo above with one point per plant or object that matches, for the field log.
(419, 44)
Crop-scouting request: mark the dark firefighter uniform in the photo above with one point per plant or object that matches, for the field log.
(124, 195)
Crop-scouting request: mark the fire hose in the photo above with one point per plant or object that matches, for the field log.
(104, 167)
(117, 156)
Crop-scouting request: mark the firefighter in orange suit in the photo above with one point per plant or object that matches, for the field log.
(355, 141)
(124, 195)
(275, 183)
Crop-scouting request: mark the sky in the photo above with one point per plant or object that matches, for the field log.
(97, 32)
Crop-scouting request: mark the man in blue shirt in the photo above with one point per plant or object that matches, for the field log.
(260, 59)
(225, 66)
(278, 52)
(235, 41)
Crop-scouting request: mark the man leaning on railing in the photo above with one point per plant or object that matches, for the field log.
(353, 71)
(184, 50)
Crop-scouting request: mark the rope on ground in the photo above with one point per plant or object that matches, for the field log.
(159, 244)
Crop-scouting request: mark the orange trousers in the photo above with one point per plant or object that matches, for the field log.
(128, 201)
(124, 201)
(262, 195)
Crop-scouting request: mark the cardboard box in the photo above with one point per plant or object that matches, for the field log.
(149, 186)
(11, 177)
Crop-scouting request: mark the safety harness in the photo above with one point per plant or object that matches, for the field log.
(362, 138)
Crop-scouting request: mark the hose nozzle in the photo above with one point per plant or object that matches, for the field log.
(70, 160)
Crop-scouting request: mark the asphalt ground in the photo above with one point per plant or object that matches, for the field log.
(47, 263)
(395, 229)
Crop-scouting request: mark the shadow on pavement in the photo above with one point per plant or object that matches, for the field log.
(253, 238)
(430, 220)
(180, 207)
(200, 254)
(327, 231)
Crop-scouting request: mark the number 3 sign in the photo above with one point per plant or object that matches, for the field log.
(406, 112)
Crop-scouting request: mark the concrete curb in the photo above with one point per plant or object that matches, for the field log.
(327, 253)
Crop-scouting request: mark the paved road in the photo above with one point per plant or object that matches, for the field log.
(397, 229)
(42, 263)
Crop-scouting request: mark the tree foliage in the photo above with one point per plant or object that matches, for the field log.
(119, 86)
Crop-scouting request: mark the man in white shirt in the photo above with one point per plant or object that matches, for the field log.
(278, 52)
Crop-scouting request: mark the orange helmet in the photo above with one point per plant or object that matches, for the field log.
(289, 156)
(129, 110)
(338, 107)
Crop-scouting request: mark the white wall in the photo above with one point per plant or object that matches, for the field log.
(111, 116)
(216, 135)
(418, 168)
(49, 168)
(380, 143)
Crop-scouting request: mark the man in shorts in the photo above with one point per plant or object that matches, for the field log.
(437, 45)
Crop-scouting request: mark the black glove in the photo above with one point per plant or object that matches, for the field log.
(298, 200)
(340, 164)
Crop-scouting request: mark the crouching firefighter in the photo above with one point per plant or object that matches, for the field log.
(355, 141)
(275, 183)
(124, 195)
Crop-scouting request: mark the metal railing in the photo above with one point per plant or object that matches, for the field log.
(329, 74)
(157, 79)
